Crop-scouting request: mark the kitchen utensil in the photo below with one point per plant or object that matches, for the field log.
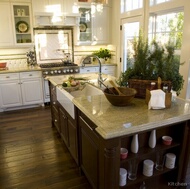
(116, 88)
(120, 100)
(107, 87)
(159, 82)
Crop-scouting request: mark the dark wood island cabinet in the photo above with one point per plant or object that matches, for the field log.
(99, 130)
(100, 159)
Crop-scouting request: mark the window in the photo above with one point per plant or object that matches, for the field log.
(128, 5)
(155, 2)
(165, 27)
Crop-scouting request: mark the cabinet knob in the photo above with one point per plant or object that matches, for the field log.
(55, 120)
(54, 103)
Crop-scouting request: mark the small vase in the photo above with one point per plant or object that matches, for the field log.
(152, 139)
(135, 144)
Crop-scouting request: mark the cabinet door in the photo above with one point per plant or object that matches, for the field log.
(32, 91)
(110, 70)
(89, 152)
(22, 23)
(88, 69)
(47, 6)
(6, 35)
(39, 6)
(63, 126)
(10, 94)
(73, 140)
(101, 26)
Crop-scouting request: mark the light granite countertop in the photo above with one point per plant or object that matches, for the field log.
(21, 69)
(115, 121)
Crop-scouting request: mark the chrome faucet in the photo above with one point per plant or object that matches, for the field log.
(100, 79)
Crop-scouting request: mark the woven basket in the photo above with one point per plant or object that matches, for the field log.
(142, 85)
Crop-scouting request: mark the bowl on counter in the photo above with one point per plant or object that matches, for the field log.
(167, 140)
(117, 100)
(3, 64)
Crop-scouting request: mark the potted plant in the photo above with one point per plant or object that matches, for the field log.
(149, 62)
(104, 54)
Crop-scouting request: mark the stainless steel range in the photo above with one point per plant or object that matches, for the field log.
(50, 69)
(53, 69)
(54, 53)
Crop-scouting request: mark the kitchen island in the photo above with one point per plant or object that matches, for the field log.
(104, 129)
(101, 129)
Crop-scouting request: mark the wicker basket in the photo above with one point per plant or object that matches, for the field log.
(142, 85)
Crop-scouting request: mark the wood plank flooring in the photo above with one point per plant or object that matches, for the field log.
(32, 155)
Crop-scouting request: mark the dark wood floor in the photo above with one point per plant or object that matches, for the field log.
(32, 155)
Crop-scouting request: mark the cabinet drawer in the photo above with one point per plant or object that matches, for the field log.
(88, 70)
(9, 76)
(28, 75)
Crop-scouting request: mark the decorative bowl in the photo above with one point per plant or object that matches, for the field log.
(167, 140)
(118, 100)
(3, 64)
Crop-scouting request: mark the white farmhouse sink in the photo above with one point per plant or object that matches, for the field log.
(65, 98)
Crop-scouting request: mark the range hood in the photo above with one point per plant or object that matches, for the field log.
(52, 19)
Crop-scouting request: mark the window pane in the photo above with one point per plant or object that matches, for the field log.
(128, 5)
(155, 2)
(130, 31)
(167, 27)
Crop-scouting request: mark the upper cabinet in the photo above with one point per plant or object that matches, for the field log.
(94, 25)
(6, 36)
(16, 21)
(94, 1)
(54, 13)
(48, 6)
(22, 23)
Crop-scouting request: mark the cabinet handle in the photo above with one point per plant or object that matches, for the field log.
(7, 76)
(55, 120)
(54, 103)
(87, 70)
(30, 74)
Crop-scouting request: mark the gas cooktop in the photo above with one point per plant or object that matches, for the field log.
(54, 65)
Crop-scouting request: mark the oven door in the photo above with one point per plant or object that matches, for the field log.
(52, 44)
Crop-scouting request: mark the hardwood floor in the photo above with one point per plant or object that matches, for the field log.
(33, 155)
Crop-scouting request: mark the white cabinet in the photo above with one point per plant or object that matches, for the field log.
(101, 26)
(88, 69)
(109, 70)
(19, 89)
(56, 6)
(31, 87)
(94, 26)
(16, 24)
(6, 36)
(22, 23)
(10, 93)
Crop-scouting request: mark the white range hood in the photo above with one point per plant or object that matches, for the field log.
(52, 19)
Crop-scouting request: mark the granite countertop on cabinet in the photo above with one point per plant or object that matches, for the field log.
(21, 69)
(97, 65)
(112, 121)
